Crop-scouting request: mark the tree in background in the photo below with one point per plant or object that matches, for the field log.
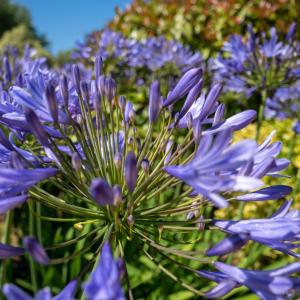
(15, 20)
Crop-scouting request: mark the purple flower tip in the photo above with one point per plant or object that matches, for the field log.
(36, 250)
(102, 192)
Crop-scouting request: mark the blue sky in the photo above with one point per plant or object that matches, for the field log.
(65, 21)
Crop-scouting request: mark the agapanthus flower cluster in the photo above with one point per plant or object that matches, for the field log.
(262, 67)
(165, 59)
(75, 151)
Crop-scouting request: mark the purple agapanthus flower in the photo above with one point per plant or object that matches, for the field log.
(214, 169)
(268, 285)
(104, 282)
(14, 182)
(243, 65)
(13, 292)
(281, 231)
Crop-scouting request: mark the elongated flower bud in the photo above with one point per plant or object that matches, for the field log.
(145, 165)
(168, 152)
(128, 114)
(76, 78)
(197, 131)
(98, 66)
(101, 85)
(52, 102)
(228, 245)
(110, 88)
(154, 101)
(7, 69)
(85, 91)
(76, 162)
(184, 85)
(219, 114)
(118, 160)
(36, 127)
(36, 250)
(191, 98)
(117, 195)
(64, 90)
(102, 192)
(131, 171)
(122, 103)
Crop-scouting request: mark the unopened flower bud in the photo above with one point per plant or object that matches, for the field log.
(52, 102)
(130, 220)
(130, 171)
(110, 88)
(122, 103)
(36, 127)
(64, 90)
(154, 101)
(85, 91)
(117, 195)
(98, 66)
(76, 161)
(101, 192)
(145, 165)
(76, 78)
(101, 85)
(184, 85)
(36, 250)
(118, 160)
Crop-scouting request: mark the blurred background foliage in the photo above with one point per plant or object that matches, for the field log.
(202, 24)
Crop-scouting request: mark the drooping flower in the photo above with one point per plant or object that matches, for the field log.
(13, 292)
(272, 284)
(281, 231)
(104, 282)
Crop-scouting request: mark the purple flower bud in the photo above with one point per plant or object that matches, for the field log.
(96, 97)
(154, 101)
(184, 85)
(101, 192)
(7, 70)
(85, 91)
(101, 85)
(130, 171)
(228, 245)
(130, 220)
(169, 151)
(7, 251)
(197, 131)
(191, 98)
(129, 112)
(189, 120)
(36, 127)
(36, 250)
(201, 224)
(76, 161)
(291, 32)
(98, 66)
(117, 195)
(76, 78)
(64, 90)
(122, 103)
(219, 114)
(145, 165)
(118, 160)
(52, 102)
(110, 88)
